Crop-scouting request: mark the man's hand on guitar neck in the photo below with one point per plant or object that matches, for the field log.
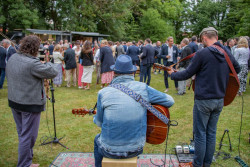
(170, 71)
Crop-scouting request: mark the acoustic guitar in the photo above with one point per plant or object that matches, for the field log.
(233, 81)
(156, 129)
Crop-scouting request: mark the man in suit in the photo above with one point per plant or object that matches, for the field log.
(140, 45)
(158, 56)
(230, 44)
(169, 54)
(193, 45)
(10, 50)
(51, 48)
(147, 60)
(70, 62)
(119, 49)
(125, 46)
(133, 52)
(2, 65)
(186, 50)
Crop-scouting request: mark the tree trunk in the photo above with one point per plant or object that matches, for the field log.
(4, 28)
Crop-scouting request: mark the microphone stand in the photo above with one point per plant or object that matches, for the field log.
(52, 99)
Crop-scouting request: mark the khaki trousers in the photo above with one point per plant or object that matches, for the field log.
(69, 73)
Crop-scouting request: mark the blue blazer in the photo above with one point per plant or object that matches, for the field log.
(133, 52)
(193, 46)
(2, 57)
(69, 59)
(148, 54)
(106, 58)
(51, 49)
(164, 53)
(10, 52)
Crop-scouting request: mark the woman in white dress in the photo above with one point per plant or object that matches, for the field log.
(87, 63)
(58, 59)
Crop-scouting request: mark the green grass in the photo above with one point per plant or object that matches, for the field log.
(79, 132)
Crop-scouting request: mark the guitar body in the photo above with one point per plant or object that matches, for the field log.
(156, 129)
(232, 89)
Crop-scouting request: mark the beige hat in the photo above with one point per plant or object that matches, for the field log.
(209, 29)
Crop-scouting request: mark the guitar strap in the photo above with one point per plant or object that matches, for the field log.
(227, 59)
(185, 58)
(137, 97)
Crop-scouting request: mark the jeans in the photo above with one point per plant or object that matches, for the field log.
(27, 125)
(166, 77)
(182, 84)
(205, 116)
(145, 73)
(2, 77)
(99, 153)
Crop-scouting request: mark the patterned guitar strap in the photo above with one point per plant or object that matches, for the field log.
(137, 97)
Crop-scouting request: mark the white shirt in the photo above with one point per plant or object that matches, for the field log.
(58, 58)
(97, 55)
(170, 53)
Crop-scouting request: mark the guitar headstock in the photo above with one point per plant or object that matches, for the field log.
(162, 67)
(82, 112)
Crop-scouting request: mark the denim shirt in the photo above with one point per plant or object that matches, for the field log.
(122, 119)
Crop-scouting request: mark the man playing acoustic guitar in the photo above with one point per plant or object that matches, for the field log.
(212, 75)
(122, 119)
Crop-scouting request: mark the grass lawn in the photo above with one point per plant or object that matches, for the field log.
(79, 132)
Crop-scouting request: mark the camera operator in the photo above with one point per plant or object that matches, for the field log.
(25, 75)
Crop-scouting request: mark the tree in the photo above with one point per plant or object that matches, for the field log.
(230, 17)
(17, 14)
(153, 27)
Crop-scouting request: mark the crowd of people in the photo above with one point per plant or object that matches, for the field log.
(117, 63)
(79, 59)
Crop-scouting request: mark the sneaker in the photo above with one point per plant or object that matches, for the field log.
(166, 90)
(80, 87)
(155, 73)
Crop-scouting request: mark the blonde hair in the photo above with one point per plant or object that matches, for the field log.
(57, 48)
(243, 43)
(105, 42)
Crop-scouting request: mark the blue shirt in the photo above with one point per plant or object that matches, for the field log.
(122, 119)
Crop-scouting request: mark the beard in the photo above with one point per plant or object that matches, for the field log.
(204, 44)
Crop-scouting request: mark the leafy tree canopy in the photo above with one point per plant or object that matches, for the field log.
(129, 19)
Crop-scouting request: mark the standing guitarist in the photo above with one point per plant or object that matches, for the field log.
(122, 119)
(212, 74)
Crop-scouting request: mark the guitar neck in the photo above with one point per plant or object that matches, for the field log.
(83, 111)
(162, 67)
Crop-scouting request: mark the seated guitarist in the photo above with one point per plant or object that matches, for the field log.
(123, 120)
(212, 74)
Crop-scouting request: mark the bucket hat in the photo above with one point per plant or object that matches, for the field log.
(123, 65)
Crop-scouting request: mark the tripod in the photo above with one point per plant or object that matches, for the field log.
(52, 99)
